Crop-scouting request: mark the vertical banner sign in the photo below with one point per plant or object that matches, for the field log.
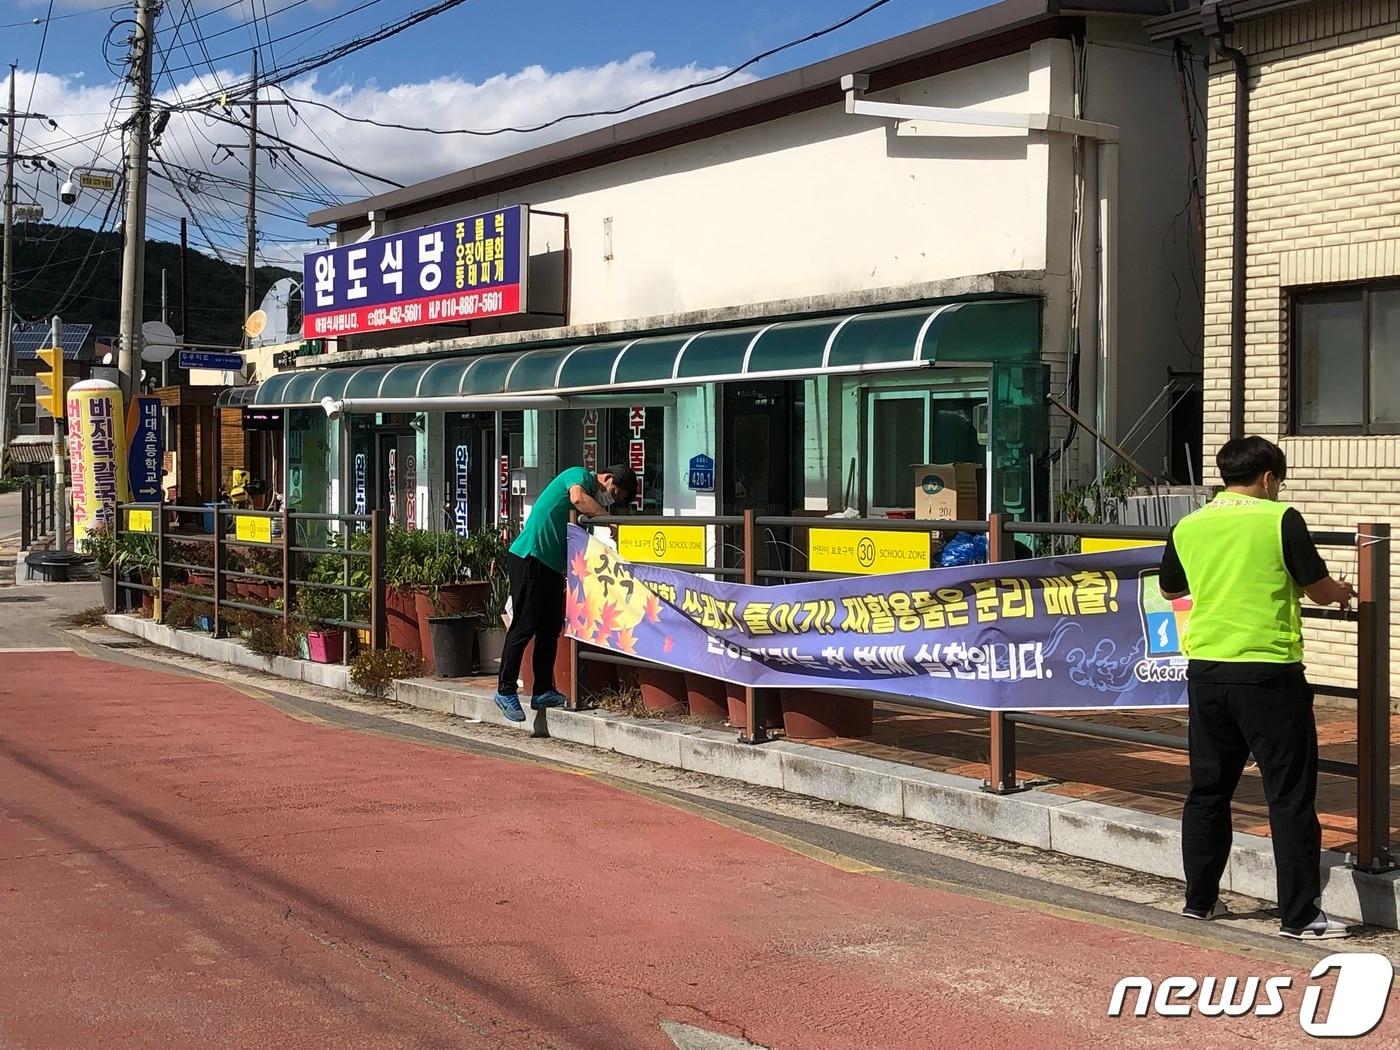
(144, 447)
(410, 484)
(97, 447)
(503, 489)
(590, 439)
(637, 448)
(361, 483)
(393, 486)
(461, 461)
(461, 270)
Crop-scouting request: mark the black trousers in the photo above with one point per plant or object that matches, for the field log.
(537, 611)
(1272, 719)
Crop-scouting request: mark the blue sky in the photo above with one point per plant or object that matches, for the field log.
(484, 64)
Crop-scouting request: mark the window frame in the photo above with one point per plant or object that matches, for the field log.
(1297, 297)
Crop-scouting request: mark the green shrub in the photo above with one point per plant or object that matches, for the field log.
(374, 671)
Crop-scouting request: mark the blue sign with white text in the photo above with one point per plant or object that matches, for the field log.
(701, 476)
(144, 450)
(210, 359)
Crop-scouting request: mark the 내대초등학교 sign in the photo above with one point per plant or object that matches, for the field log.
(1067, 633)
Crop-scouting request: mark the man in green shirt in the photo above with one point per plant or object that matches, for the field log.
(1246, 560)
(536, 569)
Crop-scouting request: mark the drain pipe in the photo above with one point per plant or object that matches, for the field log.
(1216, 28)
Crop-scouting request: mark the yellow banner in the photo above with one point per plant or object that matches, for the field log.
(1095, 545)
(251, 528)
(140, 521)
(96, 455)
(662, 544)
(865, 551)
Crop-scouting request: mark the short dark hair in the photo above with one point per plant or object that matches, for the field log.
(625, 478)
(1244, 461)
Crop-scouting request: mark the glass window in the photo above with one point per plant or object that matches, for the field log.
(634, 437)
(899, 442)
(1346, 360)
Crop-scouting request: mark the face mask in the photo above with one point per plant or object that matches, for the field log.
(604, 498)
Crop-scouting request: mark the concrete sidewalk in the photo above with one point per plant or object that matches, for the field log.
(1043, 818)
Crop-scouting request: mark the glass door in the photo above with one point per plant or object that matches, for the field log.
(897, 441)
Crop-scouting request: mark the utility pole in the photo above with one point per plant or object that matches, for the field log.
(6, 306)
(250, 266)
(184, 280)
(60, 489)
(165, 320)
(138, 140)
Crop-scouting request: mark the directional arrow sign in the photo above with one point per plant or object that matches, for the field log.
(209, 359)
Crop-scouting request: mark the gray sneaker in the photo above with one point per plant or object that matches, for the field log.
(1217, 910)
(1320, 929)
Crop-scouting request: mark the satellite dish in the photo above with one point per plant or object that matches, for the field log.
(158, 341)
(281, 310)
(256, 324)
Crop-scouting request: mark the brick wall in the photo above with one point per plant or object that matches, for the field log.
(1324, 206)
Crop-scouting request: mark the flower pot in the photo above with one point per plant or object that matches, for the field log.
(453, 643)
(260, 592)
(706, 697)
(563, 677)
(454, 599)
(490, 644)
(811, 714)
(403, 620)
(663, 690)
(148, 598)
(326, 647)
(129, 600)
(737, 702)
(200, 578)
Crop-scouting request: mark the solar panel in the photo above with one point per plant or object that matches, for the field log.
(28, 338)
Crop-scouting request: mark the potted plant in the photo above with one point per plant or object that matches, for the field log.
(321, 610)
(429, 574)
(663, 689)
(100, 544)
(489, 553)
(136, 560)
(400, 574)
(452, 643)
(264, 562)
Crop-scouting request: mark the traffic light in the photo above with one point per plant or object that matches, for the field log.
(52, 400)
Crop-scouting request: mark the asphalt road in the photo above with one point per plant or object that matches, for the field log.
(187, 863)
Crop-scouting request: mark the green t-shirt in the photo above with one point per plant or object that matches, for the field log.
(545, 534)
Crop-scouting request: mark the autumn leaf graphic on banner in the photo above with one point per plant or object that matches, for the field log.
(627, 642)
(653, 608)
(668, 644)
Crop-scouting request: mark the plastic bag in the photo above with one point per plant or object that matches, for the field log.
(963, 549)
(507, 616)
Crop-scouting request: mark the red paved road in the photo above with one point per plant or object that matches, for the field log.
(182, 865)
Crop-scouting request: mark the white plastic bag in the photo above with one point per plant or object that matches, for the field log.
(506, 616)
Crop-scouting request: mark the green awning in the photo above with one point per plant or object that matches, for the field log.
(964, 333)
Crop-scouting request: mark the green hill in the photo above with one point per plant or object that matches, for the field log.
(78, 271)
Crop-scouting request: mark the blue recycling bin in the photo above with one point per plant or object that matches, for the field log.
(211, 515)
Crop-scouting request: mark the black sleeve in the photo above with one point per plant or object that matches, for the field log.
(1300, 555)
(1172, 578)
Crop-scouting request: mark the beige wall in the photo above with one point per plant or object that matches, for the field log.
(1324, 207)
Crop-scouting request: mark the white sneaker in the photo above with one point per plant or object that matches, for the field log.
(1320, 929)
(1217, 910)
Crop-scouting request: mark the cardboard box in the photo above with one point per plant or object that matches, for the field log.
(948, 492)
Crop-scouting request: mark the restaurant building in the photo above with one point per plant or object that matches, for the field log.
(784, 296)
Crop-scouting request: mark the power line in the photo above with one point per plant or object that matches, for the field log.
(311, 152)
(39, 62)
(54, 18)
(662, 96)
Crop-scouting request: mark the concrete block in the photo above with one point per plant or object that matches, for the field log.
(721, 755)
(1139, 841)
(852, 780)
(651, 741)
(959, 802)
(578, 727)
(423, 693)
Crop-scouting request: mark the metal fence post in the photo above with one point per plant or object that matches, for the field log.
(575, 687)
(288, 562)
(1001, 753)
(117, 593)
(1373, 698)
(26, 495)
(377, 538)
(755, 732)
(218, 571)
(160, 581)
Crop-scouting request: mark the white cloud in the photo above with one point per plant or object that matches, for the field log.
(529, 96)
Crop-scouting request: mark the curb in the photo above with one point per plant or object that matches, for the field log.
(1107, 834)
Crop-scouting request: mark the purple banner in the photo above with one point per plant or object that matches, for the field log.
(1080, 632)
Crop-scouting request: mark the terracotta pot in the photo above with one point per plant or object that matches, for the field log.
(734, 696)
(402, 618)
(148, 599)
(200, 578)
(563, 680)
(662, 689)
(469, 597)
(707, 697)
(810, 714)
(260, 592)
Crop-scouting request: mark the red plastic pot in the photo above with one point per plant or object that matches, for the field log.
(326, 647)
(810, 714)
(200, 578)
(663, 690)
(402, 616)
(707, 698)
(735, 700)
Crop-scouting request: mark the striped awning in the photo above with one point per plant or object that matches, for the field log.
(980, 332)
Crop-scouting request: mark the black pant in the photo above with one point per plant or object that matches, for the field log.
(537, 611)
(1273, 719)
